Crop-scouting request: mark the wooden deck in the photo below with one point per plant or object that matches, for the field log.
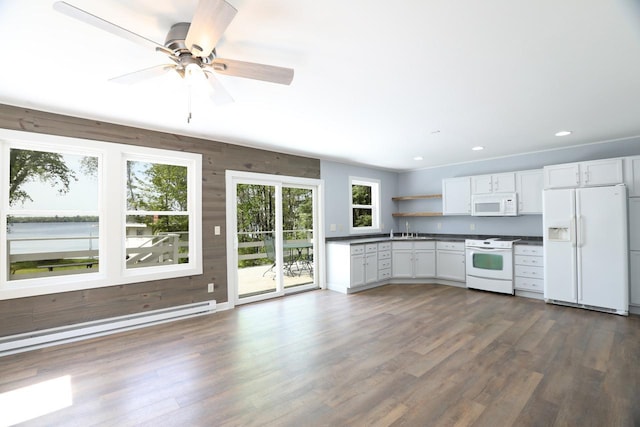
(401, 355)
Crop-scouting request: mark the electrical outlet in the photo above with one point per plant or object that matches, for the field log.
(472, 226)
(333, 227)
(439, 226)
(210, 287)
(216, 230)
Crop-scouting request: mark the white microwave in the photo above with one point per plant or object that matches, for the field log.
(496, 204)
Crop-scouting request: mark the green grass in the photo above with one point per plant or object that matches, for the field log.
(27, 267)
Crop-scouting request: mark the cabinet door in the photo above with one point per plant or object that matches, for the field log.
(424, 263)
(402, 265)
(562, 176)
(482, 184)
(456, 196)
(634, 296)
(634, 224)
(632, 175)
(529, 186)
(504, 182)
(601, 172)
(371, 268)
(357, 270)
(450, 265)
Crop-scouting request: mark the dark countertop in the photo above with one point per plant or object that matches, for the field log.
(374, 238)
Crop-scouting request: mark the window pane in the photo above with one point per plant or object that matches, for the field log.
(362, 217)
(488, 261)
(153, 240)
(156, 187)
(361, 194)
(52, 246)
(44, 180)
(55, 242)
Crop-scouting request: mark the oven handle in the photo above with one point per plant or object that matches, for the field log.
(475, 248)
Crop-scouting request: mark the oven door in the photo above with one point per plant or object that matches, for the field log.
(490, 263)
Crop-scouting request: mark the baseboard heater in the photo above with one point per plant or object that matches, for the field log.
(33, 340)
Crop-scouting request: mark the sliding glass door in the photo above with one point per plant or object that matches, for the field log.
(275, 239)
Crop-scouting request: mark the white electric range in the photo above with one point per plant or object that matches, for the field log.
(489, 264)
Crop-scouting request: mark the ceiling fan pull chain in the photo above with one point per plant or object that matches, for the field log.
(189, 103)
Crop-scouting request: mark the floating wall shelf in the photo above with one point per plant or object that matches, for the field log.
(419, 197)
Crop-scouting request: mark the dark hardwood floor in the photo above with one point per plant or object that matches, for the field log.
(406, 355)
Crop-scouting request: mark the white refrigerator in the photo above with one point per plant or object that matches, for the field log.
(586, 247)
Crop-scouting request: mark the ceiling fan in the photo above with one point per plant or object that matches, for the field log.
(190, 47)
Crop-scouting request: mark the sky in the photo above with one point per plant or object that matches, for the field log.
(82, 195)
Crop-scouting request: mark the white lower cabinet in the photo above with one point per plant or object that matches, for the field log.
(529, 269)
(384, 261)
(413, 259)
(450, 261)
(364, 264)
(634, 294)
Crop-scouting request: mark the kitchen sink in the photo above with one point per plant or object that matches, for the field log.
(412, 238)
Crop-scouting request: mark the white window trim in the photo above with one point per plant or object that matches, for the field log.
(375, 205)
(112, 196)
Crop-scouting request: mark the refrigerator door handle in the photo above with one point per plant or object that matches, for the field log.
(580, 230)
(572, 231)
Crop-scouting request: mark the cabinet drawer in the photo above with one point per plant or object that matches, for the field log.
(450, 246)
(528, 250)
(384, 263)
(424, 245)
(371, 247)
(402, 245)
(536, 261)
(528, 284)
(384, 255)
(357, 249)
(386, 246)
(384, 274)
(529, 271)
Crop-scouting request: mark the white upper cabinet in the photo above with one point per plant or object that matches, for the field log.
(632, 175)
(529, 185)
(456, 196)
(584, 174)
(495, 183)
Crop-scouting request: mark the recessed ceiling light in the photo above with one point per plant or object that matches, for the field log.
(418, 158)
(478, 148)
(563, 133)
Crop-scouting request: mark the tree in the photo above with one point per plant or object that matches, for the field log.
(28, 165)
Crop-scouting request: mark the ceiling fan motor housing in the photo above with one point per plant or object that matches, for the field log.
(175, 41)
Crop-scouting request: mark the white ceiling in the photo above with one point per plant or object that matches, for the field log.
(376, 82)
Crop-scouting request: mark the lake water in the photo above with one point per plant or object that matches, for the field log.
(58, 230)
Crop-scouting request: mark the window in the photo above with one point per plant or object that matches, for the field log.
(365, 205)
(52, 220)
(157, 221)
(102, 215)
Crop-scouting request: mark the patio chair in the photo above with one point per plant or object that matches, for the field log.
(270, 249)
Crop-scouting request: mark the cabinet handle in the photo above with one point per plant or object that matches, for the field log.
(577, 177)
(586, 177)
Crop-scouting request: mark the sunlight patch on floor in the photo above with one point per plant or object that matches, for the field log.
(27, 403)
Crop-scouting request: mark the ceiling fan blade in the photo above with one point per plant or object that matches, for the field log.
(210, 20)
(219, 94)
(140, 75)
(250, 70)
(96, 21)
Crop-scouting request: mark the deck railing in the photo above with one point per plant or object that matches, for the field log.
(162, 248)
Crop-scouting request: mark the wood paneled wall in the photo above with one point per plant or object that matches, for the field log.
(47, 311)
